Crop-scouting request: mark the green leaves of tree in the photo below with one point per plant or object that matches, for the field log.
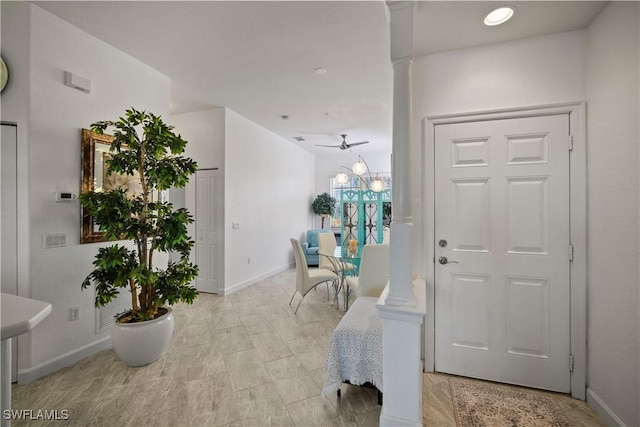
(143, 146)
(324, 204)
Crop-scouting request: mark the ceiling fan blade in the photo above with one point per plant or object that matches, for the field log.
(357, 143)
(330, 146)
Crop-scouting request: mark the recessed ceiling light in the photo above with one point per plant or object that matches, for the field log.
(320, 71)
(499, 16)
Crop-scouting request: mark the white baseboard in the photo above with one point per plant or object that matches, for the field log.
(254, 280)
(603, 411)
(391, 421)
(29, 375)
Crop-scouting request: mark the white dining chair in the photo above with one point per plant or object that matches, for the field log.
(326, 249)
(307, 279)
(374, 271)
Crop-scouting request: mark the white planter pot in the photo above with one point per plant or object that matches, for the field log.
(141, 343)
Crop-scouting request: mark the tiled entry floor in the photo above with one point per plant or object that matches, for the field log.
(240, 360)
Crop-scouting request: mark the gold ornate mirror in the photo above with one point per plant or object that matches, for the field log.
(95, 150)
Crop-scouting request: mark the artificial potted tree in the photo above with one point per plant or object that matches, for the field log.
(145, 148)
(324, 205)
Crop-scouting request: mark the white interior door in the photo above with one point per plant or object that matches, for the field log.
(9, 223)
(207, 221)
(502, 223)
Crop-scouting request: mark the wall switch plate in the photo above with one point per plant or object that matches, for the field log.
(54, 240)
(74, 313)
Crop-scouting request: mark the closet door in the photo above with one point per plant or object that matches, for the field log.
(207, 220)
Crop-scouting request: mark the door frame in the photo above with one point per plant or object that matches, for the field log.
(578, 224)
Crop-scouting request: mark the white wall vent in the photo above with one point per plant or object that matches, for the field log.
(106, 316)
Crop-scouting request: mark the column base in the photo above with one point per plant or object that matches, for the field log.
(391, 421)
(399, 302)
(402, 366)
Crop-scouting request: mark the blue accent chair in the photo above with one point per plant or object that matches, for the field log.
(310, 247)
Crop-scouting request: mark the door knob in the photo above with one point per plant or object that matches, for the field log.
(443, 260)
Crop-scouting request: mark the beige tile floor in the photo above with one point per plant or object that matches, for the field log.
(240, 360)
(244, 359)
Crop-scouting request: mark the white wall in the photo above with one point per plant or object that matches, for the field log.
(536, 71)
(269, 187)
(204, 133)
(614, 234)
(52, 115)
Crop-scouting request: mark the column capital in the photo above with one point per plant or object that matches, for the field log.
(394, 5)
(401, 29)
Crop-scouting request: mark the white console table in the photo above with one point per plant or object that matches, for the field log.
(19, 315)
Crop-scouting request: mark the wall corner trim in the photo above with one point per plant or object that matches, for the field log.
(27, 376)
(602, 409)
(254, 280)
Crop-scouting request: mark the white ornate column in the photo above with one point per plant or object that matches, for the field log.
(402, 315)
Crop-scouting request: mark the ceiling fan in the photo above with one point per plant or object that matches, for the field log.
(344, 145)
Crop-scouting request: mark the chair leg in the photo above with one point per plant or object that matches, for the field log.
(294, 294)
(346, 296)
(296, 311)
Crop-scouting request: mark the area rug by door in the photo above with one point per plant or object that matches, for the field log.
(481, 404)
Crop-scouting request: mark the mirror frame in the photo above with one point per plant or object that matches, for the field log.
(88, 233)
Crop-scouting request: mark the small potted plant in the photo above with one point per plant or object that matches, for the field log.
(145, 148)
(324, 205)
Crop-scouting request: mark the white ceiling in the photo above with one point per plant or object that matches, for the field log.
(258, 57)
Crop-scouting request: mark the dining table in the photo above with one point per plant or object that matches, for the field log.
(346, 263)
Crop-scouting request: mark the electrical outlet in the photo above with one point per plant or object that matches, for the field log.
(74, 313)
(248, 260)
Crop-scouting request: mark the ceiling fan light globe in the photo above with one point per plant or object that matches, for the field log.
(359, 168)
(377, 185)
(342, 178)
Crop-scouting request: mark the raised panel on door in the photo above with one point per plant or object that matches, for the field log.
(470, 215)
(528, 215)
(471, 311)
(501, 206)
(528, 308)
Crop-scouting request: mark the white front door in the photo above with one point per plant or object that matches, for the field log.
(207, 220)
(502, 270)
